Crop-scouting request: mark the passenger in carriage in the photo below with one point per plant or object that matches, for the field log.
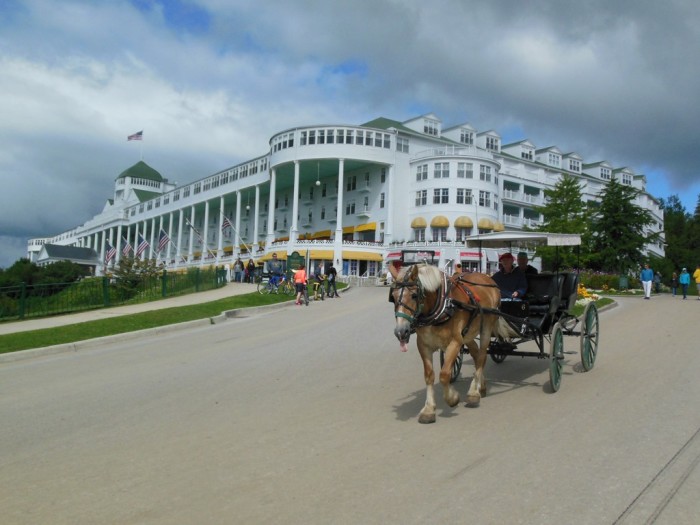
(510, 280)
(523, 266)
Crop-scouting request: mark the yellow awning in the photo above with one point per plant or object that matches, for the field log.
(463, 222)
(321, 234)
(485, 224)
(362, 256)
(439, 221)
(418, 222)
(281, 255)
(370, 226)
(498, 227)
(322, 254)
(349, 229)
(228, 249)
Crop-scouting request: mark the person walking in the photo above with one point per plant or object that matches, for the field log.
(696, 276)
(332, 276)
(684, 281)
(300, 280)
(647, 276)
(250, 271)
(674, 283)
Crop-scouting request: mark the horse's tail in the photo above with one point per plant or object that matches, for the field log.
(504, 330)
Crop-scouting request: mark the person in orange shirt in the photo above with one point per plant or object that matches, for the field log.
(300, 283)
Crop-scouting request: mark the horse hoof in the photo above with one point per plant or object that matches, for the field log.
(453, 402)
(426, 418)
(473, 401)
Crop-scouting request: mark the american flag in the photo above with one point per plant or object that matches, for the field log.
(143, 244)
(110, 252)
(126, 248)
(226, 223)
(136, 136)
(163, 240)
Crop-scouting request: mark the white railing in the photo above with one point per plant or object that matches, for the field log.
(453, 151)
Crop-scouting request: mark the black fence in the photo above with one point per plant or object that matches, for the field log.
(41, 300)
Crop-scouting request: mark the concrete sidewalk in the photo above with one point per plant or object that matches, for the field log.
(229, 290)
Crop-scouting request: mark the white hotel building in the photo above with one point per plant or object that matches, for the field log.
(355, 195)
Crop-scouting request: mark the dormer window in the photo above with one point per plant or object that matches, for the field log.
(526, 154)
(574, 165)
(627, 179)
(431, 127)
(466, 137)
(605, 173)
(492, 144)
(553, 160)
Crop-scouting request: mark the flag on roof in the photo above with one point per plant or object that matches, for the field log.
(226, 223)
(143, 244)
(110, 252)
(126, 248)
(136, 136)
(163, 240)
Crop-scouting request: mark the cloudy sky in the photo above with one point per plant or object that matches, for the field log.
(209, 81)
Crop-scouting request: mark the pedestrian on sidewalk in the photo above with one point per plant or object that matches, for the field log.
(696, 276)
(647, 276)
(684, 281)
(674, 283)
(300, 280)
(332, 276)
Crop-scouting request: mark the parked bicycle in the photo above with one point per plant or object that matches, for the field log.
(276, 284)
(319, 288)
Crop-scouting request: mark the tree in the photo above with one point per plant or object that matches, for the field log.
(619, 229)
(564, 212)
(677, 227)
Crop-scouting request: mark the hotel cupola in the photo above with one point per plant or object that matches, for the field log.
(140, 178)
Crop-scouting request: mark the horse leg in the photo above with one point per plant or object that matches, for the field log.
(475, 389)
(449, 392)
(427, 415)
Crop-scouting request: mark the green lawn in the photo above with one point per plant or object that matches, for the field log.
(130, 323)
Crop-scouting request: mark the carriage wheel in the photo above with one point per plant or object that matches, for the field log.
(590, 330)
(456, 366)
(498, 358)
(556, 356)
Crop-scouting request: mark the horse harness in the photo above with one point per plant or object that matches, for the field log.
(445, 304)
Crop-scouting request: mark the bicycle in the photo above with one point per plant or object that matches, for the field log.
(319, 288)
(276, 284)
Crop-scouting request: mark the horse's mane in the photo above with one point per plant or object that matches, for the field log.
(429, 276)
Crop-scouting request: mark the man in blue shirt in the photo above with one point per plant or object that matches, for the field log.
(647, 276)
(509, 279)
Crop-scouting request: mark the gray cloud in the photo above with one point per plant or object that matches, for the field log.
(610, 80)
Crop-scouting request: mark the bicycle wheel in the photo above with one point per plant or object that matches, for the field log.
(264, 287)
(288, 288)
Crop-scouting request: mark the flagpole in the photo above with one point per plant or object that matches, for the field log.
(199, 236)
(250, 250)
(141, 146)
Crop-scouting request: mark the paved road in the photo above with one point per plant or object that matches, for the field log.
(308, 415)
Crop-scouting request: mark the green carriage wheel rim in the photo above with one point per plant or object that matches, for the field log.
(556, 356)
(590, 331)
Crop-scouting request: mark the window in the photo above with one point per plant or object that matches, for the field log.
(378, 140)
(359, 137)
(421, 198)
(312, 137)
(186, 192)
(303, 138)
(441, 196)
(439, 234)
(341, 136)
(462, 233)
(485, 173)
(422, 172)
(466, 136)
(197, 187)
(441, 170)
(419, 234)
(348, 137)
(369, 139)
(464, 196)
(350, 208)
(626, 179)
(323, 212)
(554, 159)
(465, 170)
(430, 127)
(321, 137)
(352, 183)
(381, 200)
(323, 189)
(492, 143)
(526, 154)
(605, 173)
(383, 177)
(402, 144)
(485, 199)
(574, 165)
(387, 142)
(329, 136)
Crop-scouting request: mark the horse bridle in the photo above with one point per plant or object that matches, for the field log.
(402, 286)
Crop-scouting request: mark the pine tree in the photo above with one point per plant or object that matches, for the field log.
(619, 229)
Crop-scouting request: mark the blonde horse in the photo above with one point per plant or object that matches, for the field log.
(445, 313)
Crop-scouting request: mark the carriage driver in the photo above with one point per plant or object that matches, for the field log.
(509, 279)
